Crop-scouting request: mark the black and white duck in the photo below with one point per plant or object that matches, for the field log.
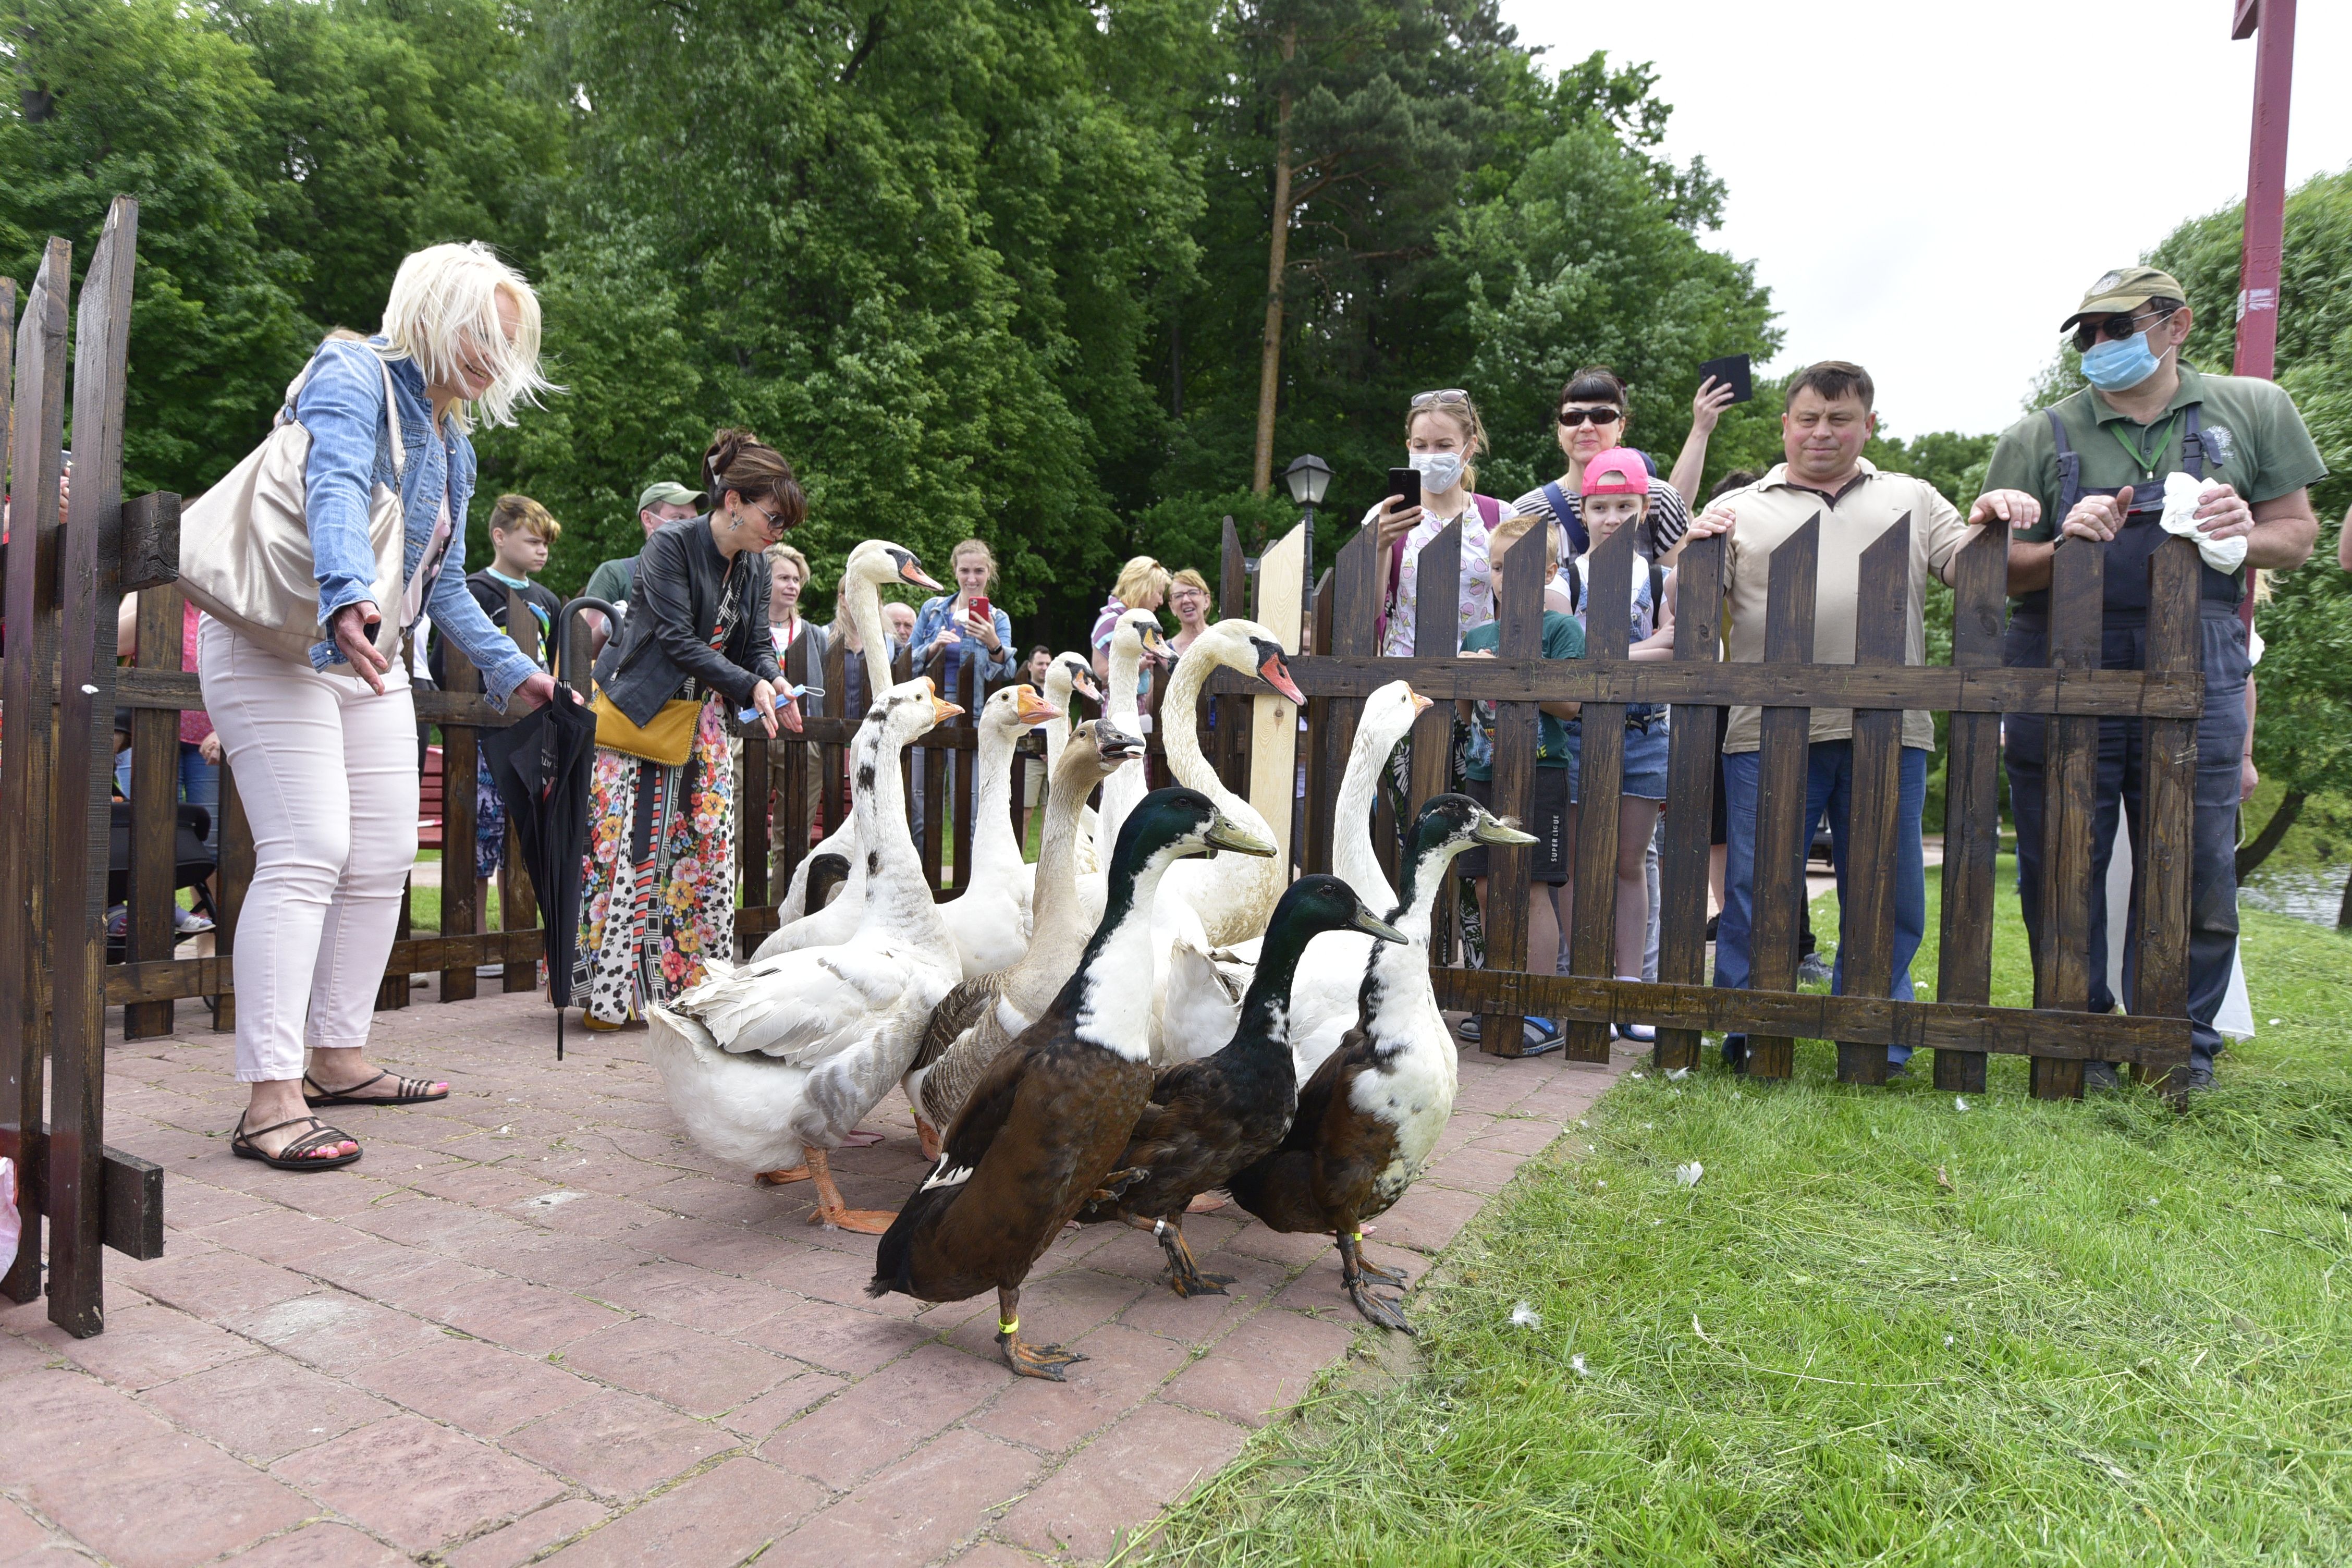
(1372, 1114)
(1041, 1133)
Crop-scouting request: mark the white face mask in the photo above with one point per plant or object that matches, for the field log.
(1440, 471)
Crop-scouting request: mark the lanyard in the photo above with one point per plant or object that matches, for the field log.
(2163, 439)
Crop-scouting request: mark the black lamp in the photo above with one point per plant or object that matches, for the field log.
(1307, 479)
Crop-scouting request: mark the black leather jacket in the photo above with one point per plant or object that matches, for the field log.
(666, 637)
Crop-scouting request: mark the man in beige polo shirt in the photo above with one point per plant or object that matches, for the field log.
(1829, 417)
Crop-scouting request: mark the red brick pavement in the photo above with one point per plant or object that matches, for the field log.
(537, 1323)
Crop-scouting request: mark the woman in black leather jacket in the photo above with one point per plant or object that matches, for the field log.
(658, 894)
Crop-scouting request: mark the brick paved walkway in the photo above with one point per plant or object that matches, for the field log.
(536, 1323)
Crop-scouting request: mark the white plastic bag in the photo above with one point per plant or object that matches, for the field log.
(10, 1226)
(2180, 493)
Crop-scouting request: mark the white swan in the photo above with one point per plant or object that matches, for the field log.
(989, 926)
(1134, 637)
(1068, 673)
(869, 566)
(781, 1058)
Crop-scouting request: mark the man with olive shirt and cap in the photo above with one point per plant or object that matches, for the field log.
(2098, 461)
(663, 502)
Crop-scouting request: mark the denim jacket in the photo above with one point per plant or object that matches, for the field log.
(935, 618)
(342, 405)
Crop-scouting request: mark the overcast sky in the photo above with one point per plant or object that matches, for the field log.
(1928, 189)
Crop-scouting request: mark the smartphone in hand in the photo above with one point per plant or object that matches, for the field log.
(980, 607)
(1733, 370)
(1405, 485)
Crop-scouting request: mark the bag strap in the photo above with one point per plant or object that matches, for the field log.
(391, 406)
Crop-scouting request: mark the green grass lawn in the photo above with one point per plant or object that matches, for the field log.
(1881, 1329)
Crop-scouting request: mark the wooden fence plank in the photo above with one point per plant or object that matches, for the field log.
(461, 911)
(1693, 741)
(2161, 883)
(1354, 612)
(27, 773)
(1437, 638)
(1232, 705)
(1778, 886)
(1592, 933)
(90, 593)
(168, 978)
(1971, 802)
(1322, 733)
(1867, 902)
(2061, 962)
(1508, 884)
(149, 894)
(1274, 720)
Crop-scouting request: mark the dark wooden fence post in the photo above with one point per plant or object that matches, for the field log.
(1233, 712)
(1866, 903)
(1971, 802)
(1778, 885)
(2161, 886)
(29, 769)
(151, 898)
(1437, 634)
(1695, 740)
(461, 913)
(1592, 936)
(1507, 871)
(2061, 962)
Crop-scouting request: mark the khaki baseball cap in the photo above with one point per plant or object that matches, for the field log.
(668, 493)
(2128, 289)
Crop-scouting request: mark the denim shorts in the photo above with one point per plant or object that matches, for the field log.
(1645, 762)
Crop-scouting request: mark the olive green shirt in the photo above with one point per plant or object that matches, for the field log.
(2266, 450)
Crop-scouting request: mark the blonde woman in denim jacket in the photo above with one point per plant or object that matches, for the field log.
(324, 751)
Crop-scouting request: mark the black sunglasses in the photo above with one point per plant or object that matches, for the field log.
(1569, 419)
(2114, 327)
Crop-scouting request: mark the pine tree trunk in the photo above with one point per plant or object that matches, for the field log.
(2256, 850)
(1277, 258)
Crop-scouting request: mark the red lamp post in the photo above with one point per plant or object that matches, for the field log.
(2271, 24)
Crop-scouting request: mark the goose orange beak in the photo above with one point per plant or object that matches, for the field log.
(943, 711)
(1031, 709)
(911, 570)
(1083, 685)
(1420, 704)
(1277, 674)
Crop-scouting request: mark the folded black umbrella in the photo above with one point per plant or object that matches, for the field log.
(541, 765)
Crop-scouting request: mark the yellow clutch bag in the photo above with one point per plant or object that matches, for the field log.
(667, 739)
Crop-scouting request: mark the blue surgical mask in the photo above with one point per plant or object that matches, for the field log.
(1440, 471)
(2113, 366)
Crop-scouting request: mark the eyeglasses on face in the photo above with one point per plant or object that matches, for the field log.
(1569, 419)
(2114, 328)
(1446, 395)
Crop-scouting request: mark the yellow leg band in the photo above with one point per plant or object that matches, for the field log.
(1008, 1328)
(1356, 1235)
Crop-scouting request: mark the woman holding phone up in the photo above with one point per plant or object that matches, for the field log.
(1443, 436)
(1592, 420)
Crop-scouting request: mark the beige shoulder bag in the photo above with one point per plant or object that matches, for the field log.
(245, 544)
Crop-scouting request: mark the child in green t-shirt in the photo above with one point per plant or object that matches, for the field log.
(1549, 814)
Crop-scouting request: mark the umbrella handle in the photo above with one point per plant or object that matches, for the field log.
(580, 680)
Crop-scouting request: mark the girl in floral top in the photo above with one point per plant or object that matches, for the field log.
(1443, 435)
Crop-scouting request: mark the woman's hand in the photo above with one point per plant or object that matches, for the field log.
(349, 628)
(1707, 405)
(209, 748)
(1396, 520)
(984, 628)
(764, 700)
(537, 689)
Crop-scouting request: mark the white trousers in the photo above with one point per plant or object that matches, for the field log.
(326, 770)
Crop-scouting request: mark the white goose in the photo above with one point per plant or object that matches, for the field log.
(869, 566)
(1135, 637)
(989, 926)
(1070, 672)
(980, 1017)
(781, 1058)
(1323, 995)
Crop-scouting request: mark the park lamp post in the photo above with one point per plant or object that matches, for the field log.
(1307, 477)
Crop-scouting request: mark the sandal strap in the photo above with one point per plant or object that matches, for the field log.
(310, 1142)
(247, 1134)
(324, 1092)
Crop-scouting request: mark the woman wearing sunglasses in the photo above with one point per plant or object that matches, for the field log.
(1443, 436)
(1591, 420)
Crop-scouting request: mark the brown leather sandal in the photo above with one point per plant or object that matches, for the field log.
(297, 1155)
(408, 1091)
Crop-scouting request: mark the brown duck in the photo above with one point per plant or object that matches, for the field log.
(1042, 1131)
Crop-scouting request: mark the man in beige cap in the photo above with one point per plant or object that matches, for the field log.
(663, 501)
(2097, 461)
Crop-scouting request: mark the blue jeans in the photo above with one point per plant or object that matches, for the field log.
(199, 785)
(1829, 785)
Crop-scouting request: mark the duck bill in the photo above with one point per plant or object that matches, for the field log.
(1373, 925)
(1226, 834)
(1420, 704)
(1277, 674)
(1495, 831)
(1032, 708)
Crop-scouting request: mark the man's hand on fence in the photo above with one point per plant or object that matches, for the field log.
(2098, 518)
(1715, 520)
(2014, 508)
(2222, 513)
(349, 626)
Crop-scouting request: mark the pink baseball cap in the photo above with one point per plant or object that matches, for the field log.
(1618, 471)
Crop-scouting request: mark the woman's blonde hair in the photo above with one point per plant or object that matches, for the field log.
(1140, 576)
(781, 551)
(445, 294)
(1189, 578)
(513, 512)
(974, 547)
(1513, 528)
(1456, 406)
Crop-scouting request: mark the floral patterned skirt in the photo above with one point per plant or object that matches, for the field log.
(657, 896)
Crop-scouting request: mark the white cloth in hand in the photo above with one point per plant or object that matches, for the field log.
(2180, 497)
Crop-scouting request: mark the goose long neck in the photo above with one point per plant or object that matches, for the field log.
(1055, 901)
(1179, 724)
(865, 610)
(992, 831)
(879, 806)
(1057, 730)
(1113, 1007)
(1351, 843)
(1119, 701)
